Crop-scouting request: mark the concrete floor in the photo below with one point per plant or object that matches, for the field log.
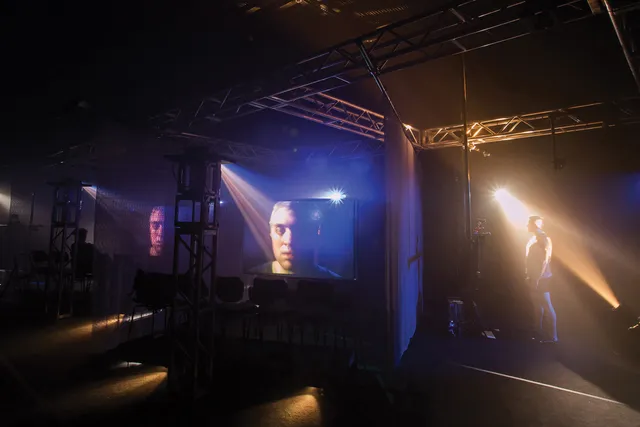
(55, 374)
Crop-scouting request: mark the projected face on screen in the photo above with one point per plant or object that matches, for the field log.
(298, 244)
(292, 239)
(156, 231)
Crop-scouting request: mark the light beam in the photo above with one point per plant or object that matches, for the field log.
(570, 249)
(254, 206)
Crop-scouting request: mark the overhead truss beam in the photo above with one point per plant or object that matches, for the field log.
(592, 116)
(625, 19)
(566, 120)
(449, 29)
(336, 113)
(245, 152)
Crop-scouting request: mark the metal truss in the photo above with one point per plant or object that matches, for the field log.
(336, 113)
(346, 151)
(229, 149)
(625, 18)
(244, 152)
(196, 241)
(453, 28)
(65, 223)
(565, 120)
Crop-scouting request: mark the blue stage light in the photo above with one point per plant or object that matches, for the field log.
(336, 195)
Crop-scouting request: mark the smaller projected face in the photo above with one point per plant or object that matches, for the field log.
(310, 238)
(156, 231)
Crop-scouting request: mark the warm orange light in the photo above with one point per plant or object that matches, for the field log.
(516, 211)
(568, 247)
(108, 394)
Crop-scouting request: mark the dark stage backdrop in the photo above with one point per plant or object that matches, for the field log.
(592, 204)
(404, 239)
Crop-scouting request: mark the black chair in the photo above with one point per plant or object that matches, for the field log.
(153, 292)
(314, 303)
(230, 306)
(270, 297)
(84, 266)
(330, 307)
(39, 268)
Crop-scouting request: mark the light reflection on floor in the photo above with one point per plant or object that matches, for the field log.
(300, 410)
(107, 395)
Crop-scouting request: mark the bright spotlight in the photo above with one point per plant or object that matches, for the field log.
(336, 195)
(516, 211)
(501, 194)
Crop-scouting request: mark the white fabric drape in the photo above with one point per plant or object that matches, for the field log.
(404, 239)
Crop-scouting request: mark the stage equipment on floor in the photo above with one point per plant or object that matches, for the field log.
(456, 316)
(197, 202)
(65, 223)
(624, 330)
(447, 29)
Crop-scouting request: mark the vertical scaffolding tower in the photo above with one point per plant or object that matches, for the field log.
(198, 175)
(65, 223)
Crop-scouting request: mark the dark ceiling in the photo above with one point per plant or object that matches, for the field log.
(129, 60)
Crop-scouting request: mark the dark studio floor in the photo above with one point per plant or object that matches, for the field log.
(53, 373)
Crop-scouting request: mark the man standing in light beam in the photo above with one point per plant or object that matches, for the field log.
(538, 272)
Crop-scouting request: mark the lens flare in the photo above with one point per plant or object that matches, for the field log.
(336, 195)
(517, 212)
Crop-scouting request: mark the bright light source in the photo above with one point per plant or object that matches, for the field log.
(501, 194)
(516, 211)
(336, 195)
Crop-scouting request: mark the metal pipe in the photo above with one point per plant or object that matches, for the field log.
(623, 44)
(326, 116)
(377, 137)
(374, 74)
(33, 202)
(357, 107)
(553, 141)
(465, 145)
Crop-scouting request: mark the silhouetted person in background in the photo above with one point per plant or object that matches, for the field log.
(84, 254)
(538, 271)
